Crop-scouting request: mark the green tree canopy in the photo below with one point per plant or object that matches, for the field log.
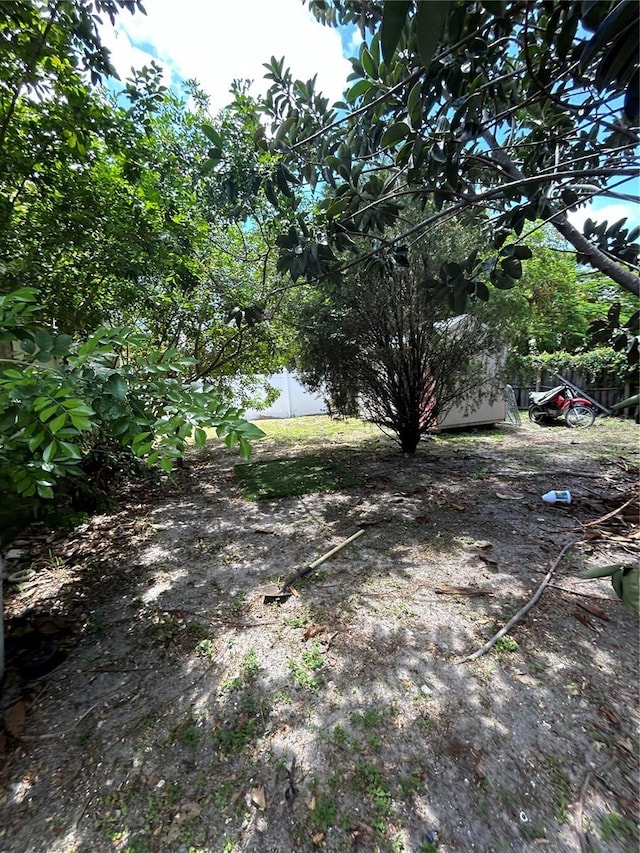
(520, 111)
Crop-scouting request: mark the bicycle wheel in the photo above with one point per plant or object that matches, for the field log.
(580, 415)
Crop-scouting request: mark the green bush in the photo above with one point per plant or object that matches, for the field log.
(598, 362)
(60, 401)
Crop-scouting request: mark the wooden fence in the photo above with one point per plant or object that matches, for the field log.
(605, 389)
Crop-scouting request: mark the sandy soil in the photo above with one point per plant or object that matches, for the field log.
(187, 715)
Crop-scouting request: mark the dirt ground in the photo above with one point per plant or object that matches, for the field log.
(185, 714)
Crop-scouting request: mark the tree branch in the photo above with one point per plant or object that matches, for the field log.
(595, 256)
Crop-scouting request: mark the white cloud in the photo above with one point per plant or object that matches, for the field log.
(600, 210)
(216, 42)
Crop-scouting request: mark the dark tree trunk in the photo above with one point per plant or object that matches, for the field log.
(409, 438)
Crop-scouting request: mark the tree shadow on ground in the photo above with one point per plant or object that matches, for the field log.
(342, 719)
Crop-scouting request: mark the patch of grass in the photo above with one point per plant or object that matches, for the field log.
(369, 780)
(616, 826)
(505, 645)
(281, 478)
(305, 671)
(249, 669)
(323, 814)
(236, 737)
(189, 736)
(368, 720)
(561, 787)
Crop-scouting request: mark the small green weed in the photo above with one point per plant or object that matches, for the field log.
(561, 786)
(249, 669)
(189, 736)
(250, 666)
(369, 780)
(206, 648)
(324, 812)
(368, 720)
(616, 826)
(233, 739)
(298, 621)
(305, 671)
(237, 602)
(505, 645)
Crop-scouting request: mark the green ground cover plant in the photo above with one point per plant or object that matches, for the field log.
(282, 478)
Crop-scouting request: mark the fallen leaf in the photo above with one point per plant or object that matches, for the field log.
(489, 560)
(318, 838)
(422, 519)
(509, 495)
(235, 797)
(594, 610)
(14, 719)
(258, 798)
(313, 631)
(312, 804)
(582, 618)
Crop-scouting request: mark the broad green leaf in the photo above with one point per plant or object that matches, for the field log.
(368, 63)
(45, 414)
(602, 571)
(44, 340)
(212, 135)
(200, 437)
(50, 451)
(414, 104)
(244, 447)
(36, 441)
(252, 432)
(81, 423)
(394, 133)
(394, 16)
(45, 491)
(71, 451)
(631, 589)
(357, 90)
(430, 20)
(57, 423)
(512, 267)
(522, 253)
(117, 386)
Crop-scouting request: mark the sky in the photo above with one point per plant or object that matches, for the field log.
(216, 42)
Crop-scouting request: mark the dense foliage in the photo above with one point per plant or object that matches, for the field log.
(115, 284)
(519, 110)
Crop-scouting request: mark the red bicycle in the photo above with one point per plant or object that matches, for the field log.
(559, 402)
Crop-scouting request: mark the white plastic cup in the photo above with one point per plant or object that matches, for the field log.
(557, 497)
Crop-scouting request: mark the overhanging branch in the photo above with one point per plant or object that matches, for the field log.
(625, 278)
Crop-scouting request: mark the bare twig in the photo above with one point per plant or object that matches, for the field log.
(523, 611)
(608, 515)
(579, 810)
(53, 735)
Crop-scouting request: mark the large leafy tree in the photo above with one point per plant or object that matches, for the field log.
(520, 110)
